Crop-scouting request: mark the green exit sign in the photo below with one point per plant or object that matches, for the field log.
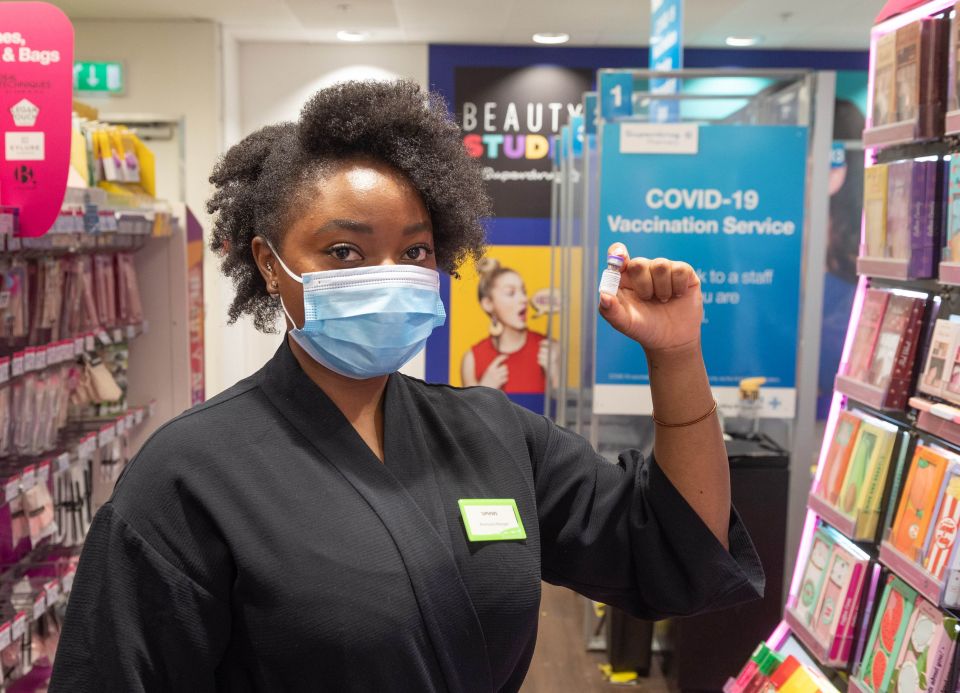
(98, 77)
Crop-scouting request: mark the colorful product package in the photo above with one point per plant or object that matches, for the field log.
(875, 210)
(886, 636)
(838, 456)
(943, 343)
(863, 484)
(814, 574)
(868, 329)
(884, 81)
(917, 503)
(951, 246)
(891, 369)
(927, 651)
(943, 535)
(836, 612)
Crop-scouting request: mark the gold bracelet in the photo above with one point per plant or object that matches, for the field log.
(710, 413)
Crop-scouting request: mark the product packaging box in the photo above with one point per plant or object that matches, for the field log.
(937, 367)
(891, 368)
(861, 492)
(886, 636)
(867, 330)
(951, 246)
(918, 502)
(838, 457)
(942, 538)
(875, 212)
(829, 599)
(927, 652)
(884, 81)
(921, 74)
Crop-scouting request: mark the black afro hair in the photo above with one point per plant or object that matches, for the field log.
(258, 181)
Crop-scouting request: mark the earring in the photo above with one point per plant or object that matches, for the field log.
(496, 327)
(274, 284)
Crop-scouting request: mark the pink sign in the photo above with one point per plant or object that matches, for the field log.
(36, 92)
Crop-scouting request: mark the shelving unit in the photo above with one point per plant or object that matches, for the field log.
(925, 419)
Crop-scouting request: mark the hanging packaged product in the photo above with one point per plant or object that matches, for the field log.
(879, 371)
(824, 616)
(850, 490)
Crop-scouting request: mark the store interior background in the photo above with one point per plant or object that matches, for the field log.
(227, 68)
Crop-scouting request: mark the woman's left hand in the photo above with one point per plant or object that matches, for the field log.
(659, 303)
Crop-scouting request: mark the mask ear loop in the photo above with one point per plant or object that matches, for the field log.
(294, 277)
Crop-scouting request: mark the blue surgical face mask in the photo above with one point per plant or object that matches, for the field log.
(367, 321)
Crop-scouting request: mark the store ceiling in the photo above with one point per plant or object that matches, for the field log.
(839, 24)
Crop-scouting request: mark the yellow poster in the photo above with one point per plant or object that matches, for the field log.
(498, 321)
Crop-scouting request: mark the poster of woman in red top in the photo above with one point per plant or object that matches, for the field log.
(513, 358)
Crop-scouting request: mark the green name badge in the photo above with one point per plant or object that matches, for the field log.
(491, 519)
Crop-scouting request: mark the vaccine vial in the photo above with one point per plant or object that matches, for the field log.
(610, 279)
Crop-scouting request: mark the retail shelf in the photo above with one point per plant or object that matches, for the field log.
(862, 392)
(911, 573)
(890, 135)
(884, 267)
(845, 525)
(950, 273)
(951, 123)
(81, 448)
(940, 420)
(820, 652)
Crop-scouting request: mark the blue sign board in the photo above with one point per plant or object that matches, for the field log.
(590, 112)
(730, 202)
(616, 94)
(666, 53)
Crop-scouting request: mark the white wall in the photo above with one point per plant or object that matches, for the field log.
(172, 69)
(266, 83)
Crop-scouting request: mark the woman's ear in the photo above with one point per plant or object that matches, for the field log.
(487, 304)
(266, 263)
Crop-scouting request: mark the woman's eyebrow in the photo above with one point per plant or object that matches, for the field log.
(346, 225)
(360, 227)
(417, 228)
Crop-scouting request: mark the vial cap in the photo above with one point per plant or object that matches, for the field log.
(616, 261)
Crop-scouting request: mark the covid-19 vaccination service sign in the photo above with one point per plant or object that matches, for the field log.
(729, 200)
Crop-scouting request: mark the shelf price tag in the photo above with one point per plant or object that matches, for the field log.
(12, 488)
(16, 368)
(4, 369)
(39, 605)
(19, 627)
(117, 335)
(63, 461)
(29, 359)
(43, 472)
(52, 589)
(121, 425)
(104, 337)
(131, 331)
(6, 637)
(41, 363)
(67, 580)
(107, 435)
(28, 478)
(88, 343)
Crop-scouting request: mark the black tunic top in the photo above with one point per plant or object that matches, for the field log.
(257, 544)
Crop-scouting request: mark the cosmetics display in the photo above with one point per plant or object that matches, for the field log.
(902, 217)
(825, 615)
(885, 494)
(850, 489)
(880, 369)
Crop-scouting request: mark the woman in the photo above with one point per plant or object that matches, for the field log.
(513, 358)
(329, 524)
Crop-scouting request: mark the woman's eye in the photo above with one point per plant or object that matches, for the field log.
(345, 253)
(418, 253)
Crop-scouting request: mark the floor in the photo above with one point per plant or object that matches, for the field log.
(561, 664)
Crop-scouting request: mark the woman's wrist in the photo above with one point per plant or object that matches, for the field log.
(681, 356)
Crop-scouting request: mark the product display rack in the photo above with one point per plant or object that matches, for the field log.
(923, 421)
(143, 345)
